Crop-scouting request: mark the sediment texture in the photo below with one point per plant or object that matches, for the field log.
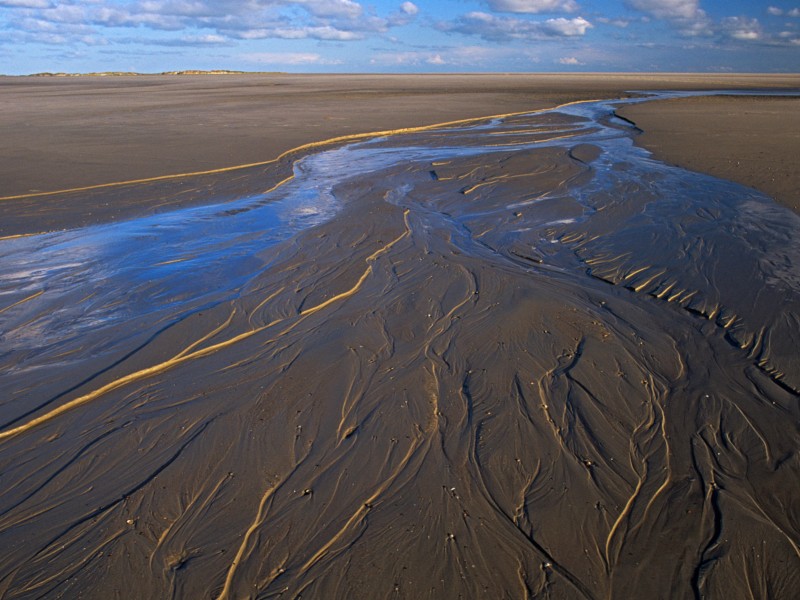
(521, 360)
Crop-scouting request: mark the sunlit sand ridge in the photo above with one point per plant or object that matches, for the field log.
(519, 358)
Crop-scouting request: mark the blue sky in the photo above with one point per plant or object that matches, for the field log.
(400, 35)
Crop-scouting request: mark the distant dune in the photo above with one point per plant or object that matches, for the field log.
(135, 74)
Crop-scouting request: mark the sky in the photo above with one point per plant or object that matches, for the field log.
(399, 36)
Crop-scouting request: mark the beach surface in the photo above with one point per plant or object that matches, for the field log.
(505, 358)
(76, 132)
(750, 139)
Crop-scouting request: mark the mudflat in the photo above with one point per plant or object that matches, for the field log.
(503, 358)
(749, 139)
(63, 133)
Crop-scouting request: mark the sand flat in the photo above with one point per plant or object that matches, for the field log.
(64, 133)
(510, 358)
(752, 140)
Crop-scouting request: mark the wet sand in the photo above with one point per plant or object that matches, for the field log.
(64, 133)
(519, 361)
(752, 140)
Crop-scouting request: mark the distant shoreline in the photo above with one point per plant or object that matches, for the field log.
(641, 75)
(137, 74)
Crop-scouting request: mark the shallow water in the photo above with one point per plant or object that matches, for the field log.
(511, 358)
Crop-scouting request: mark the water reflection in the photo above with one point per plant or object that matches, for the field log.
(179, 262)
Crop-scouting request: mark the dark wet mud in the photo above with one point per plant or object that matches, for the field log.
(506, 360)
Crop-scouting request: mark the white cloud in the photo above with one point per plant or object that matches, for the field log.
(567, 27)
(685, 15)
(25, 3)
(669, 9)
(327, 32)
(404, 15)
(459, 56)
(34, 25)
(743, 28)
(569, 60)
(409, 8)
(533, 6)
(299, 33)
(343, 9)
(338, 20)
(400, 58)
(176, 8)
(500, 29)
(208, 39)
(746, 34)
(288, 58)
(779, 12)
(622, 23)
